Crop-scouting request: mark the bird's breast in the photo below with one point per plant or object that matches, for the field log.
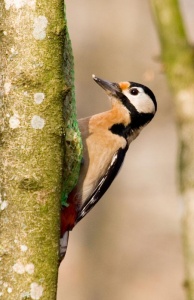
(99, 149)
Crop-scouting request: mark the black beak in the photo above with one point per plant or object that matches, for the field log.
(110, 87)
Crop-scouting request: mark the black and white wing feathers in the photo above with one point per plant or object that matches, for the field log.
(104, 183)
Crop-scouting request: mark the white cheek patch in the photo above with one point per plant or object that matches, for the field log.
(142, 102)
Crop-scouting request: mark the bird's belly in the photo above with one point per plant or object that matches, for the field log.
(98, 164)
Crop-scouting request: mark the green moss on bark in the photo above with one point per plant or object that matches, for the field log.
(32, 146)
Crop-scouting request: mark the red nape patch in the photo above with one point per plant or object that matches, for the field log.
(69, 214)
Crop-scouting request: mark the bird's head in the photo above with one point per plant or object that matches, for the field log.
(137, 98)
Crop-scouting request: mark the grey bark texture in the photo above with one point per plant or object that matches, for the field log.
(33, 88)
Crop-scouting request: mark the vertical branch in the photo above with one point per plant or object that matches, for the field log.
(73, 143)
(31, 153)
(177, 57)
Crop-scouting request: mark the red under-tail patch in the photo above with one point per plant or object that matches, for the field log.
(69, 214)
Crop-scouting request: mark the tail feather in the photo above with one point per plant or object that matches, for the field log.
(64, 244)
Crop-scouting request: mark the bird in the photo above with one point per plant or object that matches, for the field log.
(106, 138)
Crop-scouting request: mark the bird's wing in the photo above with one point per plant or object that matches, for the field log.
(104, 183)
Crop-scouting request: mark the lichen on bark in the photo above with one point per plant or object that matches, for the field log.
(33, 88)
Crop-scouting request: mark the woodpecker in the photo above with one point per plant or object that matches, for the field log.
(106, 138)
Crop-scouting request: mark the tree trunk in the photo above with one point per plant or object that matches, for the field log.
(33, 87)
(177, 57)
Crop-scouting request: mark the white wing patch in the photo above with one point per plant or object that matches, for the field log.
(104, 182)
(92, 201)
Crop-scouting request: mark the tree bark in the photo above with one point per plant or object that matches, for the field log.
(32, 69)
(178, 59)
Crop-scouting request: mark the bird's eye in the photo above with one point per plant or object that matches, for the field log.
(134, 92)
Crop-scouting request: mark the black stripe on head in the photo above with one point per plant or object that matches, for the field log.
(137, 119)
(140, 119)
(146, 90)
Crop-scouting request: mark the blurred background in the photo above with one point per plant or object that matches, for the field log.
(129, 246)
